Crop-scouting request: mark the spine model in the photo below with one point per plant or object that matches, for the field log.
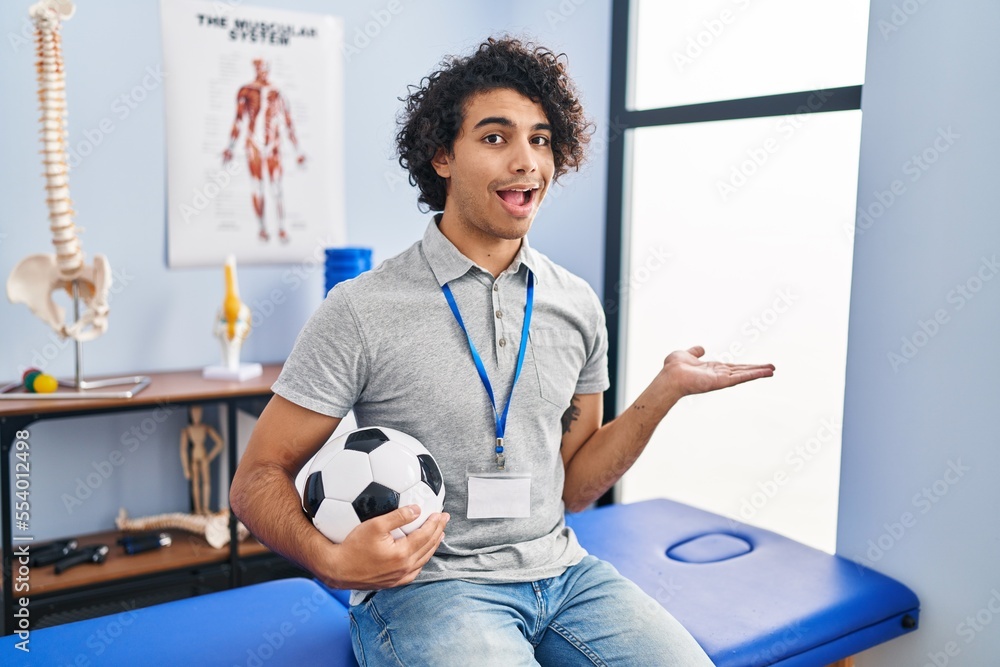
(36, 277)
(213, 527)
(52, 99)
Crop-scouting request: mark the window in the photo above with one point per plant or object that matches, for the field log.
(730, 225)
(690, 52)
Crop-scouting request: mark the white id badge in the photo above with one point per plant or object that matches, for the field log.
(499, 494)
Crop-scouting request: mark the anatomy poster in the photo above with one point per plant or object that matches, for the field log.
(254, 123)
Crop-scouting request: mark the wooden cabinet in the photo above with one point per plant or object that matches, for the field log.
(188, 567)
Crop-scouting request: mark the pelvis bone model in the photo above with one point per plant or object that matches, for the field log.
(37, 277)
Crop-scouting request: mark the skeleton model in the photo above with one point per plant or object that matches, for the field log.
(213, 527)
(37, 277)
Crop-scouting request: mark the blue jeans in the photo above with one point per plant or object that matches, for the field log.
(590, 615)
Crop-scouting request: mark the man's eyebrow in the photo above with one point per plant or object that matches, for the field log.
(495, 120)
(507, 122)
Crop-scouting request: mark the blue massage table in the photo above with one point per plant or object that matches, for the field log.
(749, 596)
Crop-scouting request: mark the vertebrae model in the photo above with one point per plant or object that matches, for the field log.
(213, 527)
(37, 277)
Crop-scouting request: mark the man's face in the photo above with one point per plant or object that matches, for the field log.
(501, 165)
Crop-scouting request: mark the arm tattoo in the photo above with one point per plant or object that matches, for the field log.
(570, 416)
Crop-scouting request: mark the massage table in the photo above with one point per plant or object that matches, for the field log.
(749, 596)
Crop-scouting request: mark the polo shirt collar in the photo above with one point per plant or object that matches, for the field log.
(448, 263)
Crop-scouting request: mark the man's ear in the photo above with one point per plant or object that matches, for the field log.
(441, 163)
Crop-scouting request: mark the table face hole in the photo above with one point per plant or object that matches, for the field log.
(709, 548)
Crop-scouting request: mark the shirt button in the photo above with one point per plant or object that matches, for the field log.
(496, 287)
(502, 342)
(499, 314)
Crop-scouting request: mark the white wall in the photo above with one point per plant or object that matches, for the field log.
(919, 491)
(161, 318)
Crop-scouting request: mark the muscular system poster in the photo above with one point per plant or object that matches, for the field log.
(254, 124)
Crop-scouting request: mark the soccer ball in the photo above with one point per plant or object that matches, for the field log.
(366, 473)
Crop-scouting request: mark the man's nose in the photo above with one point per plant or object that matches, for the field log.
(523, 160)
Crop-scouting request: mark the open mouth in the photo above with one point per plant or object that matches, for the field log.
(517, 201)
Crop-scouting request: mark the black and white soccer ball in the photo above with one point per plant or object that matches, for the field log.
(366, 473)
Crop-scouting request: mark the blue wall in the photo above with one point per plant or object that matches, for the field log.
(161, 318)
(919, 491)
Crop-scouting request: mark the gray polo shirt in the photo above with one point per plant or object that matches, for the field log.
(387, 345)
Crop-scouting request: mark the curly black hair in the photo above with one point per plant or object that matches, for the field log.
(434, 110)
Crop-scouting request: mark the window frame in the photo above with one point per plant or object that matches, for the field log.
(622, 119)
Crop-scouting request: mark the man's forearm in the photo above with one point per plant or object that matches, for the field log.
(265, 500)
(613, 448)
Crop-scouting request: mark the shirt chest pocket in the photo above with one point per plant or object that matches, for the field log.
(559, 356)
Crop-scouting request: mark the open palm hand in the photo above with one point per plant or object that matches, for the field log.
(688, 374)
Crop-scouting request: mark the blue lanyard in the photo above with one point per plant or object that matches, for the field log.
(501, 418)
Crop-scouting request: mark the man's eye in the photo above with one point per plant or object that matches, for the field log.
(541, 141)
(493, 139)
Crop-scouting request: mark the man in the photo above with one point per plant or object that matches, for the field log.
(263, 108)
(468, 327)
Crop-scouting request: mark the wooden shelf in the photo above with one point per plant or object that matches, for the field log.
(188, 559)
(173, 387)
(185, 551)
